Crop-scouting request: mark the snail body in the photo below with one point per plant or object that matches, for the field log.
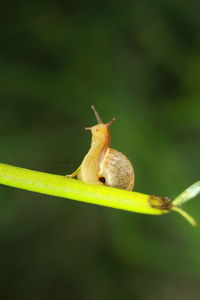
(102, 164)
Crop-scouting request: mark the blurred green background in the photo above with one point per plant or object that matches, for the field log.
(138, 61)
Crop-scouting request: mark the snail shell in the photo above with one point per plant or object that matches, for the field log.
(117, 170)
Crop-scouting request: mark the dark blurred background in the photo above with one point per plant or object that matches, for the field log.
(140, 62)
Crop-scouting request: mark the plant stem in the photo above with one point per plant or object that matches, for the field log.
(191, 192)
(62, 186)
(185, 215)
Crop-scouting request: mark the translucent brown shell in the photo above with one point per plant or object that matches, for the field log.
(116, 170)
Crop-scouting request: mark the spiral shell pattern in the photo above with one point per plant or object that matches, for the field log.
(116, 170)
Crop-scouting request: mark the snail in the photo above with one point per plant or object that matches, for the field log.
(102, 164)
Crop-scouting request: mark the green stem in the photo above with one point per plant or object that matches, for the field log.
(62, 186)
(66, 187)
(185, 215)
(191, 192)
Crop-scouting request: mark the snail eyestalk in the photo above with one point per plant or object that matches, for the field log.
(96, 114)
(110, 122)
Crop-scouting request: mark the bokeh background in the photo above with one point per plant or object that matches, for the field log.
(140, 62)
